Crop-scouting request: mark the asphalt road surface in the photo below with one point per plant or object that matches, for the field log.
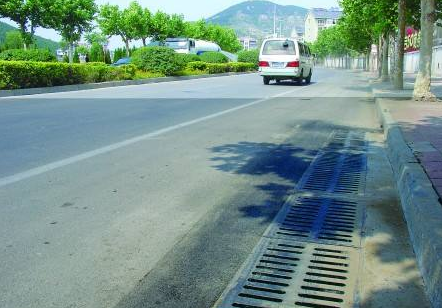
(154, 195)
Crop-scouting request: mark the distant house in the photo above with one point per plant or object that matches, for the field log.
(248, 43)
(319, 19)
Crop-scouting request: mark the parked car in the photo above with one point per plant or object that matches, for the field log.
(285, 59)
(122, 61)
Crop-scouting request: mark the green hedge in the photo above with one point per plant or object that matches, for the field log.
(158, 59)
(218, 68)
(249, 56)
(36, 55)
(213, 57)
(187, 58)
(24, 74)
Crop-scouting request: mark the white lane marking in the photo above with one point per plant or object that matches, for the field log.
(115, 146)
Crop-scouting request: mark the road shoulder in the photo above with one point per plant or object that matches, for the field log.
(420, 202)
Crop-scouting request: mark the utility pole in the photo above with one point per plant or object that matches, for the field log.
(274, 20)
(280, 28)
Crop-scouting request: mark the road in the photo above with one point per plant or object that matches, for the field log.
(153, 195)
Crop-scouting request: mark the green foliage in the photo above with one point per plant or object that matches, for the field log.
(249, 56)
(37, 55)
(157, 60)
(187, 58)
(213, 57)
(145, 75)
(130, 23)
(330, 42)
(224, 37)
(217, 68)
(118, 54)
(76, 57)
(242, 67)
(39, 42)
(164, 26)
(20, 74)
(71, 18)
(28, 14)
(13, 40)
(197, 66)
(96, 37)
(107, 57)
(96, 54)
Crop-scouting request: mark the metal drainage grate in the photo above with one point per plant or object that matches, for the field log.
(315, 219)
(346, 140)
(336, 172)
(282, 274)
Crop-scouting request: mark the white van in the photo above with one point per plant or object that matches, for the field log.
(285, 59)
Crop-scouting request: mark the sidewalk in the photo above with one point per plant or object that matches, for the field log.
(385, 90)
(414, 139)
(420, 123)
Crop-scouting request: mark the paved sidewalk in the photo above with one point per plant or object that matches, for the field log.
(421, 125)
(413, 132)
(385, 89)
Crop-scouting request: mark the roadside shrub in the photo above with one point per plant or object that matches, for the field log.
(36, 55)
(187, 58)
(26, 74)
(242, 67)
(157, 59)
(214, 57)
(197, 66)
(249, 56)
(217, 68)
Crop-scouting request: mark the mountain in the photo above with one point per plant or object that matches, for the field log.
(40, 41)
(255, 18)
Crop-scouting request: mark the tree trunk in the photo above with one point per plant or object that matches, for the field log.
(393, 58)
(144, 41)
(23, 37)
(385, 47)
(399, 78)
(379, 57)
(126, 42)
(422, 86)
(71, 52)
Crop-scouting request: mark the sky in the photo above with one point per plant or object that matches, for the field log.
(191, 9)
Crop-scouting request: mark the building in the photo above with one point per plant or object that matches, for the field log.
(249, 43)
(319, 19)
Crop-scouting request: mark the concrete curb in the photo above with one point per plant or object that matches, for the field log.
(420, 204)
(110, 84)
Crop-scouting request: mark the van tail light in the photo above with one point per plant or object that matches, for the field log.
(264, 64)
(293, 64)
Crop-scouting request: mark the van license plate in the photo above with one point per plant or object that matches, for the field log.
(278, 64)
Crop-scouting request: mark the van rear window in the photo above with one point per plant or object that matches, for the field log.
(282, 47)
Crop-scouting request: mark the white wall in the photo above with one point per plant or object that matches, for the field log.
(411, 62)
(311, 29)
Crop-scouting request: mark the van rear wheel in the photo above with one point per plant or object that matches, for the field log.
(266, 80)
(309, 78)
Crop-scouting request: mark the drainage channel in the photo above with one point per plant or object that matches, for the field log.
(309, 255)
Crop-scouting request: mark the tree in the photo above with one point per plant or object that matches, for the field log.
(375, 18)
(226, 38)
(159, 26)
(422, 86)
(399, 71)
(28, 14)
(175, 26)
(139, 19)
(96, 37)
(13, 40)
(71, 18)
(113, 21)
(96, 53)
